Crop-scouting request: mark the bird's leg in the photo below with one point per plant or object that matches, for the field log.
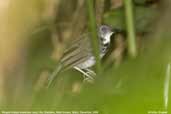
(91, 72)
(85, 74)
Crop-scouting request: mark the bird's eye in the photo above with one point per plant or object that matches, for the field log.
(103, 29)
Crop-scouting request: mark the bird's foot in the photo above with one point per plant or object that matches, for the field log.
(91, 72)
(91, 75)
(88, 80)
(88, 74)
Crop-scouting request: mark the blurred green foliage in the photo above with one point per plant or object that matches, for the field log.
(134, 87)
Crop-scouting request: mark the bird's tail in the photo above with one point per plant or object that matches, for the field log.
(53, 75)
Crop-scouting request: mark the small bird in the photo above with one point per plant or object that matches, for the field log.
(79, 55)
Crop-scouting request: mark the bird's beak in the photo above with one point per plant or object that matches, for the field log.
(112, 32)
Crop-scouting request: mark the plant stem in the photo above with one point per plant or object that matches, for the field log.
(130, 28)
(93, 31)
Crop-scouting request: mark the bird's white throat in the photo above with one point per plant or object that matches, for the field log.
(107, 38)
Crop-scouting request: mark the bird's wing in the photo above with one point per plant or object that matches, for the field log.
(79, 51)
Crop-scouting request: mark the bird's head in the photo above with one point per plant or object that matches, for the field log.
(105, 33)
